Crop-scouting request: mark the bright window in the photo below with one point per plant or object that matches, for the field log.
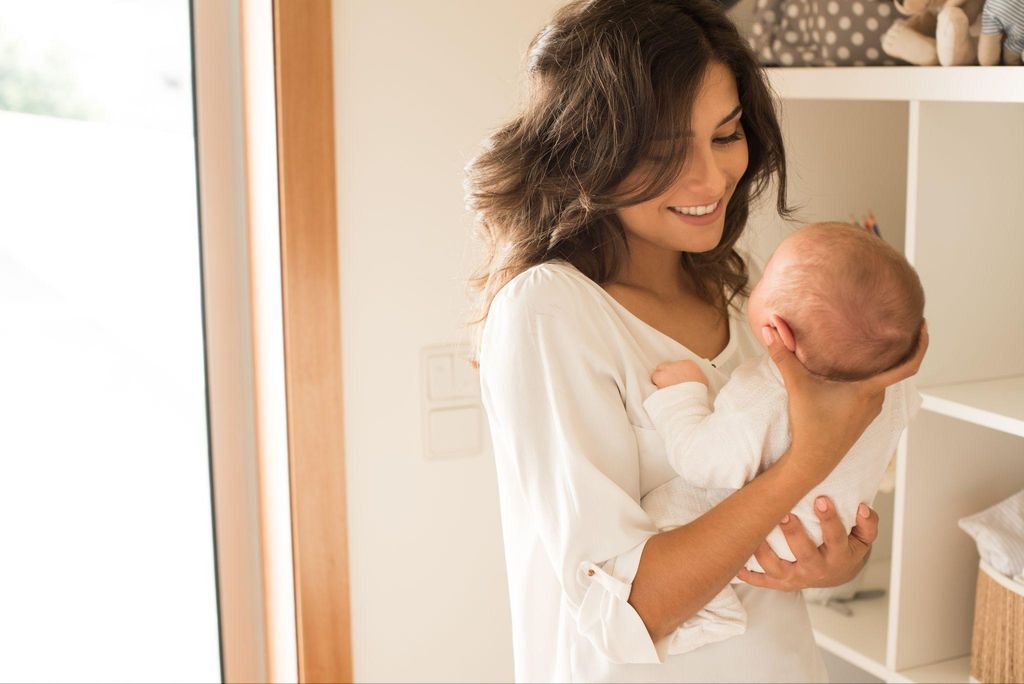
(107, 569)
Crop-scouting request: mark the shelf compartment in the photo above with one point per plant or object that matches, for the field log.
(859, 639)
(939, 84)
(949, 469)
(954, 670)
(872, 175)
(965, 241)
(996, 404)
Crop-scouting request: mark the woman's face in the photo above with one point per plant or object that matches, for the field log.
(690, 215)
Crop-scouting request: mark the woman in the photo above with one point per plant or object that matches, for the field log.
(611, 206)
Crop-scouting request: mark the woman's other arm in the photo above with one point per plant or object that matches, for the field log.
(566, 455)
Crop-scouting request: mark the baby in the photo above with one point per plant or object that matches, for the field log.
(849, 306)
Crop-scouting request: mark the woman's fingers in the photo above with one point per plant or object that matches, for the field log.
(866, 530)
(790, 367)
(762, 579)
(833, 533)
(771, 563)
(836, 561)
(799, 542)
(756, 579)
(908, 368)
(759, 579)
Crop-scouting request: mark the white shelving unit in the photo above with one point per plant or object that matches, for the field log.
(859, 638)
(996, 404)
(901, 84)
(938, 155)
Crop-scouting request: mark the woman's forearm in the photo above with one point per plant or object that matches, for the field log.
(681, 570)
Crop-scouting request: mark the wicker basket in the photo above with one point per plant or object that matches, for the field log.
(997, 646)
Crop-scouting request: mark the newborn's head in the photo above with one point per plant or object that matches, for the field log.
(853, 303)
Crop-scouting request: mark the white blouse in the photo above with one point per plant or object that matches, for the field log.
(564, 373)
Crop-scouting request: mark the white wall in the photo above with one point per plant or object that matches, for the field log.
(418, 85)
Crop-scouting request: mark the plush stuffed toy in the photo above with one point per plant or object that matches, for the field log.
(935, 32)
(1001, 18)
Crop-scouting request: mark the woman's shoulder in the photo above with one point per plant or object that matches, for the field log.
(549, 287)
(553, 305)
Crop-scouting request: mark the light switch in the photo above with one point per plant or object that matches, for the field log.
(455, 431)
(454, 424)
(439, 377)
(467, 379)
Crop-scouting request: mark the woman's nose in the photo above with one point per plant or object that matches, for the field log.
(702, 174)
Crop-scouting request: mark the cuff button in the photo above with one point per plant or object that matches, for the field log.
(590, 573)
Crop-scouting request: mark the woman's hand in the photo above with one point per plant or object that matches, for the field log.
(835, 562)
(827, 417)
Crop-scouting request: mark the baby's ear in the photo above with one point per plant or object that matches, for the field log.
(785, 332)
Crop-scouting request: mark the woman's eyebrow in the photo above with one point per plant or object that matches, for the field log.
(731, 115)
(686, 134)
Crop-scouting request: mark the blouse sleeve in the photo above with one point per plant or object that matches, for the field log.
(563, 442)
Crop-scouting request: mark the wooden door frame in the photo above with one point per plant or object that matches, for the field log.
(312, 332)
(265, 174)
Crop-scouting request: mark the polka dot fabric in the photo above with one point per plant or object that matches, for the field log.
(822, 32)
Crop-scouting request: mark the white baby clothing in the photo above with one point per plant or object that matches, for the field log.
(718, 450)
(564, 370)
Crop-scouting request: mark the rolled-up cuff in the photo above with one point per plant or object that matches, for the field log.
(606, 617)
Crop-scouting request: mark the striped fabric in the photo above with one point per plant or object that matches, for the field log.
(999, 534)
(1006, 17)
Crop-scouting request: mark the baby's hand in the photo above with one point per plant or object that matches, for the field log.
(675, 372)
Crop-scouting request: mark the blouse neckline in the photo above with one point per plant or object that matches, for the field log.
(716, 362)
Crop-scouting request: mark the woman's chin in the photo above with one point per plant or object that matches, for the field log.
(691, 239)
(704, 248)
(709, 239)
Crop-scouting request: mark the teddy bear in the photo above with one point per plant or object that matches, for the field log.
(935, 32)
(1001, 18)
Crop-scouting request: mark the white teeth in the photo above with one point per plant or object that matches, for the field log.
(696, 211)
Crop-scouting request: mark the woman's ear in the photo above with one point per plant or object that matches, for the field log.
(785, 332)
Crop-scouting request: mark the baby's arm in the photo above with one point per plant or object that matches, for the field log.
(712, 448)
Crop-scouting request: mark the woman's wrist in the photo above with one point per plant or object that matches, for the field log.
(801, 466)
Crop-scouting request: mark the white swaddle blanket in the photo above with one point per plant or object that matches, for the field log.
(716, 450)
(676, 503)
(999, 534)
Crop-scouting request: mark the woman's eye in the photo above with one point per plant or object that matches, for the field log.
(738, 135)
(663, 157)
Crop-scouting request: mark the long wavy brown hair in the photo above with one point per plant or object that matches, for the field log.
(607, 79)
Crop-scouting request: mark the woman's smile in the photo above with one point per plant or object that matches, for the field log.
(698, 209)
(700, 219)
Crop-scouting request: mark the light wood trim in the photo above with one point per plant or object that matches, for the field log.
(229, 334)
(264, 241)
(312, 331)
